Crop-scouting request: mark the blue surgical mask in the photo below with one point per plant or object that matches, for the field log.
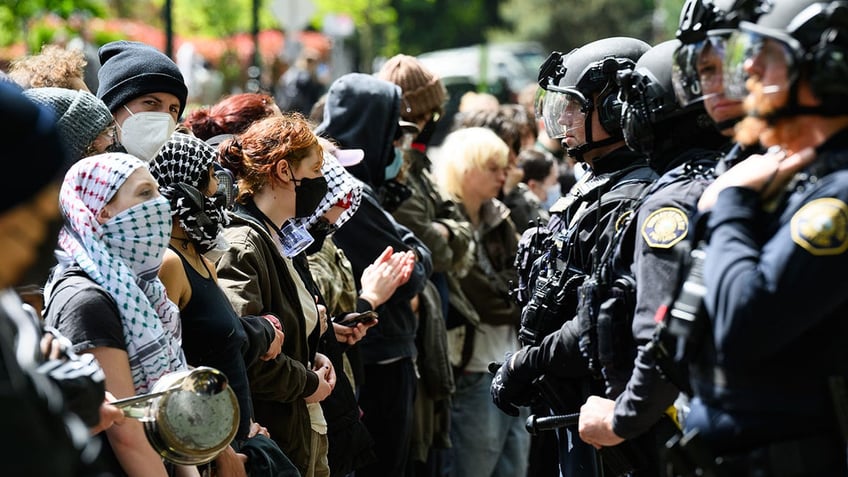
(393, 169)
(553, 194)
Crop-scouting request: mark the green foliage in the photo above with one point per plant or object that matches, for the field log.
(103, 37)
(217, 18)
(569, 24)
(427, 25)
(9, 26)
(16, 15)
(377, 27)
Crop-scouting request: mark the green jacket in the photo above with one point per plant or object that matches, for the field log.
(453, 256)
(333, 274)
(428, 205)
(257, 281)
(487, 285)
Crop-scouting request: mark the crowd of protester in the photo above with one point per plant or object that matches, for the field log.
(383, 307)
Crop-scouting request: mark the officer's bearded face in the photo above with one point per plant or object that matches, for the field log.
(768, 90)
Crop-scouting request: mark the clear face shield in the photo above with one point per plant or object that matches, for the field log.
(563, 113)
(767, 60)
(696, 72)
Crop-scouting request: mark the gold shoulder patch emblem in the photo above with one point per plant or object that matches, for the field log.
(623, 219)
(821, 227)
(665, 227)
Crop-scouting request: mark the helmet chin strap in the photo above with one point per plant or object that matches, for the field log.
(578, 152)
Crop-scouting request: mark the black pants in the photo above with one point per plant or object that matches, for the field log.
(386, 398)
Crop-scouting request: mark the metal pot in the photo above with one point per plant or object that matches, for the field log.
(188, 426)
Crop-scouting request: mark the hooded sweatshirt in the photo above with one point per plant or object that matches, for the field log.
(362, 112)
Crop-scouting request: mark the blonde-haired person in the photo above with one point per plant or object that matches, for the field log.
(278, 164)
(471, 170)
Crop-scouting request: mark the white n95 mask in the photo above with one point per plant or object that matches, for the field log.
(143, 134)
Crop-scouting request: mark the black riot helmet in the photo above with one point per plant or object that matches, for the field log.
(653, 122)
(572, 88)
(812, 38)
(703, 30)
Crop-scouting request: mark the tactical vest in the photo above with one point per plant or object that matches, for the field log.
(580, 222)
(607, 299)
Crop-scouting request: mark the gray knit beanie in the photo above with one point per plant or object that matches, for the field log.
(423, 92)
(129, 69)
(32, 141)
(81, 116)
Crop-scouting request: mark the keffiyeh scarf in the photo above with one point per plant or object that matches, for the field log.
(179, 167)
(123, 256)
(340, 183)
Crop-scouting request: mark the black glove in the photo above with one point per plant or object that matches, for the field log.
(512, 387)
(82, 383)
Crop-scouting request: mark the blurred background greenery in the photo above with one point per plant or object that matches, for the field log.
(224, 31)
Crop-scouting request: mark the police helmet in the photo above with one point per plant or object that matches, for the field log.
(583, 73)
(653, 122)
(813, 37)
(704, 27)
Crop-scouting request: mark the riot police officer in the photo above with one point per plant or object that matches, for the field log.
(683, 145)
(581, 106)
(697, 69)
(695, 80)
(770, 397)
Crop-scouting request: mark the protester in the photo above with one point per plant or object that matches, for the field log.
(277, 162)
(362, 112)
(53, 397)
(213, 335)
(105, 296)
(53, 67)
(486, 441)
(145, 92)
(231, 115)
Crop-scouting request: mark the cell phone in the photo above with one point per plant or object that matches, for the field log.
(355, 319)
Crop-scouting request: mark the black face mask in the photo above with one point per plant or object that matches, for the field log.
(308, 194)
(319, 231)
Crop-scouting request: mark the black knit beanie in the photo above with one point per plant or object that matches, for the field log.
(129, 69)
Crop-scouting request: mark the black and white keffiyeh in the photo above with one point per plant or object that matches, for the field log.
(179, 167)
(340, 183)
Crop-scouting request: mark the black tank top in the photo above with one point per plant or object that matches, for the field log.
(213, 336)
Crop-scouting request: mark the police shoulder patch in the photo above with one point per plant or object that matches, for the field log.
(665, 227)
(623, 219)
(821, 227)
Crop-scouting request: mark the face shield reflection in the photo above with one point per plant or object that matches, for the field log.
(752, 55)
(697, 69)
(561, 112)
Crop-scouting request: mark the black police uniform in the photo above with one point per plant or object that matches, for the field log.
(653, 250)
(581, 228)
(775, 293)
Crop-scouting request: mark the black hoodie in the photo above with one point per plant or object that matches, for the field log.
(362, 111)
